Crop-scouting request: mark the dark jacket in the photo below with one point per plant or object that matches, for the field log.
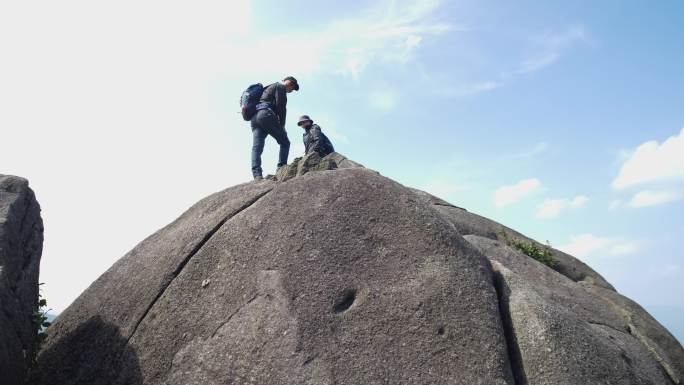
(276, 96)
(316, 141)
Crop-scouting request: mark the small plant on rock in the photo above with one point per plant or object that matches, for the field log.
(40, 323)
(532, 249)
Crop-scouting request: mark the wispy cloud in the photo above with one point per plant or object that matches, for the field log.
(648, 198)
(589, 245)
(507, 195)
(383, 100)
(538, 149)
(388, 33)
(550, 47)
(653, 162)
(578, 202)
(473, 88)
(615, 204)
(547, 49)
(552, 208)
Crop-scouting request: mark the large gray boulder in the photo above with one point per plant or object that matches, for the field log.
(338, 275)
(21, 244)
(472, 224)
(562, 333)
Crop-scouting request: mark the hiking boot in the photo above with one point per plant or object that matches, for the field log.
(258, 178)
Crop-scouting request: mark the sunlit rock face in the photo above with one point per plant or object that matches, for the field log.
(330, 273)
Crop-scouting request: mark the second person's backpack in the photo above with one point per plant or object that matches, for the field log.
(250, 98)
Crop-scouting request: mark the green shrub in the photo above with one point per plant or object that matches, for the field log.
(541, 253)
(40, 324)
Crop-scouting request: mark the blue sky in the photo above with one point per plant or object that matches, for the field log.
(562, 120)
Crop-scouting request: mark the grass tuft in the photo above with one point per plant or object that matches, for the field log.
(541, 253)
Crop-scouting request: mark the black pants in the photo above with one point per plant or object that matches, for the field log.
(266, 123)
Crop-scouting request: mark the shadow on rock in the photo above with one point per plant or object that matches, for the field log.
(515, 357)
(95, 353)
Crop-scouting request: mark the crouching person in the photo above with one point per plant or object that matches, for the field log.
(314, 139)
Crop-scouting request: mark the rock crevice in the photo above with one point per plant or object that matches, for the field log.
(514, 356)
(192, 253)
(565, 333)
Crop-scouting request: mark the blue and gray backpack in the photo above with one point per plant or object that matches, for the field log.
(249, 100)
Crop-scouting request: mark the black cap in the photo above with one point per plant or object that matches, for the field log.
(293, 80)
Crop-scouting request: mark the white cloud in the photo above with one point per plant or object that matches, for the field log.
(539, 148)
(413, 41)
(471, 89)
(551, 47)
(650, 198)
(615, 204)
(551, 208)
(391, 32)
(383, 100)
(547, 49)
(507, 195)
(653, 162)
(388, 33)
(579, 202)
(539, 62)
(485, 86)
(589, 245)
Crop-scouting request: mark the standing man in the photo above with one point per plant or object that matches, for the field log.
(270, 120)
(314, 139)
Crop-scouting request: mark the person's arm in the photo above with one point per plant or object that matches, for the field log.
(328, 144)
(316, 140)
(281, 103)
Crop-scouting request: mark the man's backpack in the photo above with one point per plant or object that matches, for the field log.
(249, 100)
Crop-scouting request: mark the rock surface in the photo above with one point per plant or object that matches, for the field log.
(21, 243)
(336, 275)
(313, 162)
(561, 333)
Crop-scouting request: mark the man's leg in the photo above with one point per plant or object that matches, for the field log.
(280, 136)
(258, 140)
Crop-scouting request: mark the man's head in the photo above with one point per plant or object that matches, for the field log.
(291, 84)
(304, 122)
